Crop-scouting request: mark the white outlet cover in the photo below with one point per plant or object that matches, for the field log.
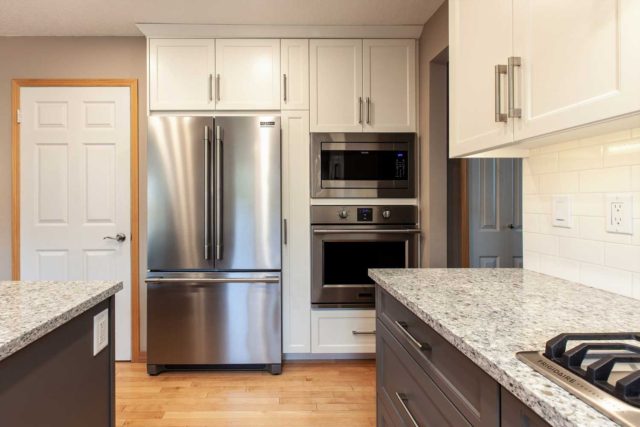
(100, 331)
(562, 211)
(619, 208)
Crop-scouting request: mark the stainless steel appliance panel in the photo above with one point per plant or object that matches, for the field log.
(247, 193)
(368, 165)
(178, 198)
(214, 318)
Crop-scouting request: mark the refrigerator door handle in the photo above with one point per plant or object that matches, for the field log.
(207, 193)
(218, 197)
(268, 279)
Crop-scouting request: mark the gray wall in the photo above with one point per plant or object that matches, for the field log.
(66, 57)
(433, 155)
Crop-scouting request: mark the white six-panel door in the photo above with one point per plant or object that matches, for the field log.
(336, 85)
(74, 190)
(389, 85)
(248, 73)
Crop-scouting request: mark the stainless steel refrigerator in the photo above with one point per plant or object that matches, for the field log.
(214, 257)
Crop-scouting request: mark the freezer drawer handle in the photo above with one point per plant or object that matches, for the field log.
(268, 279)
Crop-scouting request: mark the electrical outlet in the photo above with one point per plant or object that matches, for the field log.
(100, 331)
(562, 211)
(619, 214)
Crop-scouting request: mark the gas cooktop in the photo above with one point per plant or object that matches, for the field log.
(602, 369)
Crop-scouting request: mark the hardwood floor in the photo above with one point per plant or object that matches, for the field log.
(340, 393)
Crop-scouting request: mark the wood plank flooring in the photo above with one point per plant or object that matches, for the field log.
(335, 393)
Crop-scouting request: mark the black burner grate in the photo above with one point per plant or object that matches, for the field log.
(609, 350)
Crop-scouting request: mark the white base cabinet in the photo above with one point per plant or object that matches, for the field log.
(296, 256)
(343, 331)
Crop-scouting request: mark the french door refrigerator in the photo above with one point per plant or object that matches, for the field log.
(214, 257)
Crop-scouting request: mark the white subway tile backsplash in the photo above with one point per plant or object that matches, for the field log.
(587, 170)
(625, 257)
(541, 243)
(581, 250)
(580, 158)
(555, 183)
(609, 279)
(605, 180)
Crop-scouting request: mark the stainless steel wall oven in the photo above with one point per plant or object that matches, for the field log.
(363, 165)
(348, 240)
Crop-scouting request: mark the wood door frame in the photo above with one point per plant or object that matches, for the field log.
(132, 84)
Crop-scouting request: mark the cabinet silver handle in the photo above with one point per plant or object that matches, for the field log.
(363, 332)
(207, 192)
(405, 330)
(403, 401)
(218, 198)
(210, 87)
(120, 237)
(360, 110)
(284, 231)
(368, 110)
(218, 87)
(500, 116)
(514, 61)
(284, 85)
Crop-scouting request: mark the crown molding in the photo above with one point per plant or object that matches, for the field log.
(213, 31)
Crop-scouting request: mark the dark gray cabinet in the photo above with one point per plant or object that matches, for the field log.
(423, 380)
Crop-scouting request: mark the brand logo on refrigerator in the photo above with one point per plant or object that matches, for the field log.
(267, 124)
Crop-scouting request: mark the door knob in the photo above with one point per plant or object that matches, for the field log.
(511, 226)
(120, 237)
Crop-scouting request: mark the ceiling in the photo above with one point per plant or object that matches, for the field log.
(118, 17)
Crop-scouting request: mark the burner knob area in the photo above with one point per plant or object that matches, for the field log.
(344, 214)
(386, 214)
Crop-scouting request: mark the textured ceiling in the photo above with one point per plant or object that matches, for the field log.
(118, 17)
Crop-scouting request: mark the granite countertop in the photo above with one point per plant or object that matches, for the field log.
(29, 310)
(490, 314)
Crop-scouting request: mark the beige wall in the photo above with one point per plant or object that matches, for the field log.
(433, 173)
(65, 57)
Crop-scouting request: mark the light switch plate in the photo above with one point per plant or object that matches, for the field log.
(619, 213)
(561, 211)
(100, 331)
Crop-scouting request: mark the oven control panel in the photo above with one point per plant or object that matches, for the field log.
(365, 214)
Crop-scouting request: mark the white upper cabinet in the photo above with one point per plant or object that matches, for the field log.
(248, 74)
(479, 41)
(389, 85)
(181, 74)
(294, 66)
(566, 69)
(336, 85)
(580, 62)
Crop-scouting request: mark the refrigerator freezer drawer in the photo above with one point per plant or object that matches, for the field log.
(214, 320)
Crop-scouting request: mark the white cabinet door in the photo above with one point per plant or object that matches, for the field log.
(248, 74)
(580, 62)
(343, 331)
(336, 85)
(294, 66)
(296, 257)
(181, 74)
(389, 85)
(480, 37)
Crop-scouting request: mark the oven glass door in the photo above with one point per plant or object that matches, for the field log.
(364, 165)
(341, 260)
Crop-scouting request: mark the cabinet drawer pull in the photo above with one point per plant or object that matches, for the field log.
(403, 401)
(404, 328)
(363, 332)
(513, 61)
(500, 116)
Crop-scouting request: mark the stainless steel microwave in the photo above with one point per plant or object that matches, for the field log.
(371, 165)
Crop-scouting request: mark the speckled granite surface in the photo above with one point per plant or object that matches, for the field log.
(29, 310)
(491, 314)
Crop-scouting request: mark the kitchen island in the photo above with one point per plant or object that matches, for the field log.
(475, 320)
(51, 372)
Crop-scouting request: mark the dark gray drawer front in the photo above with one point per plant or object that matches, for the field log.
(514, 413)
(472, 391)
(401, 381)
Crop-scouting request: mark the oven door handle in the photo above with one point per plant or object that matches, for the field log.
(360, 231)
